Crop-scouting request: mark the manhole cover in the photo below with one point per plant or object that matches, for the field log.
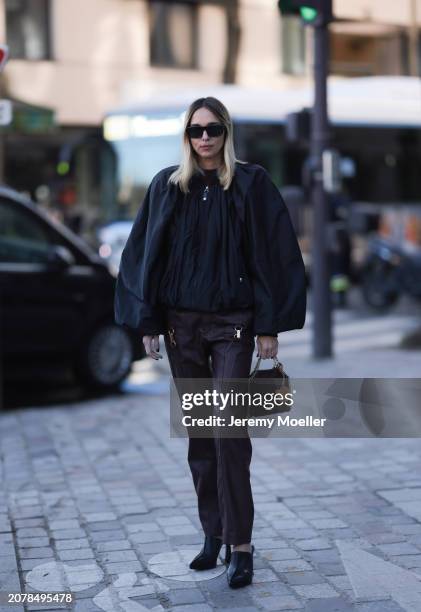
(174, 565)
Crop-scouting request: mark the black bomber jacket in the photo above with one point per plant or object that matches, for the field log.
(275, 263)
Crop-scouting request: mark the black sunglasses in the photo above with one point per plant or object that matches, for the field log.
(212, 130)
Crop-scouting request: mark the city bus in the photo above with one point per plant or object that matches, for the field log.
(375, 125)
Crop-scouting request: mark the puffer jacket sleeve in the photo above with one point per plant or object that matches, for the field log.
(130, 307)
(275, 261)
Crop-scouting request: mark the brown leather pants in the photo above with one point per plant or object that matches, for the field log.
(204, 348)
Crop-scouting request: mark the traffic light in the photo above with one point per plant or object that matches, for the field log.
(312, 12)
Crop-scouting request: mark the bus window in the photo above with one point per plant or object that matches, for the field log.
(262, 143)
(144, 144)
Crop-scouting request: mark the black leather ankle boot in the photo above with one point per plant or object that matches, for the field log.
(240, 570)
(208, 556)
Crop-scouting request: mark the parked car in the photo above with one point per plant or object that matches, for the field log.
(56, 299)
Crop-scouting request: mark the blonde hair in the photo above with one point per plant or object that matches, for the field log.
(189, 164)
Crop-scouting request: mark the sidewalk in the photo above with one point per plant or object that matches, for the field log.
(97, 499)
(364, 343)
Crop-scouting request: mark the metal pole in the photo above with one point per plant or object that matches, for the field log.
(413, 39)
(2, 134)
(322, 335)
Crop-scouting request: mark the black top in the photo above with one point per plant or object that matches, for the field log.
(205, 234)
(244, 244)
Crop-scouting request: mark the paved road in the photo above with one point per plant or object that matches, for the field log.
(97, 499)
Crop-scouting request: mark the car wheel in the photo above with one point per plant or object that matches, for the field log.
(106, 358)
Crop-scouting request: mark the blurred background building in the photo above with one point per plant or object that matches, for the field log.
(99, 89)
(71, 63)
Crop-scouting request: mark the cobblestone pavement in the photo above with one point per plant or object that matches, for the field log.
(97, 499)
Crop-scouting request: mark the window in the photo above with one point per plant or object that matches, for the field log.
(361, 49)
(173, 34)
(23, 239)
(293, 45)
(27, 29)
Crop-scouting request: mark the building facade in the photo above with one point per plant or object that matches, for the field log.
(77, 60)
(83, 58)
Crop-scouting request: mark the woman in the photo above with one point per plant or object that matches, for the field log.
(212, 261)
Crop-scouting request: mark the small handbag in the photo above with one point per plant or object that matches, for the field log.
(274, 381)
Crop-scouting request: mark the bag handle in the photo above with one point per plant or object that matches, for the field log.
(278, 366)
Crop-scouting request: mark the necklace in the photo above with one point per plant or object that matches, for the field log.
(205, 194)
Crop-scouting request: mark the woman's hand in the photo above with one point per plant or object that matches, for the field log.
(151, 344)
(267, 347)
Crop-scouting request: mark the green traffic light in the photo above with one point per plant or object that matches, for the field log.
(308, 13)
(63, 168)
